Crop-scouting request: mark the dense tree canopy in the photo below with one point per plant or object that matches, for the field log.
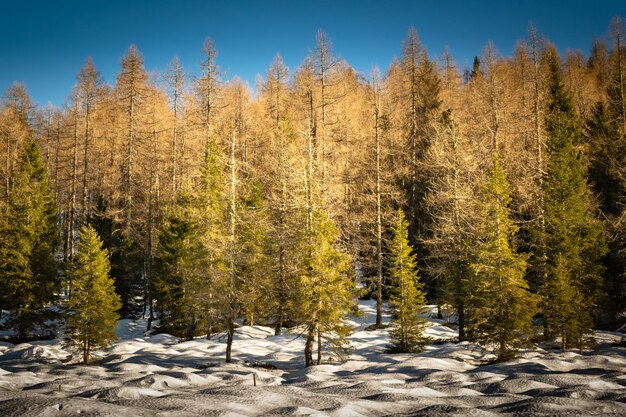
(220, 205)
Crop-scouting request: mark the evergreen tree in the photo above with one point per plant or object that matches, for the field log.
(190, 262)
(177, 272)
(418, 106)
(253, 264)
(29, 238)
(326, 290)
(209, 210)
(573, 237)
(126, 257)
(571, 326)
(606, 132)
(407, 299)
(91, 311)
(501, 306)
(476, 71)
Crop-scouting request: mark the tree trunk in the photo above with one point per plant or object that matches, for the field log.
(379, 227)
(191, 329)
(319, 346)
(461, 314)
(229, 341)
(233, 215)
(308, 347)
(209, 315)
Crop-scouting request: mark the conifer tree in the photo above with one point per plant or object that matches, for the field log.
(501, 306)
(177, 272)
(252, 238)
(286, 215)
(415, 91)
(326, 290)
(450, 203)
(407, 298)
(190, 264)
(91, 312)
(606, 134)
(210, 216)
(29, 238)
(127, 256)
(573, 237)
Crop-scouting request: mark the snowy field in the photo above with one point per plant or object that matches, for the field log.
(157, 376)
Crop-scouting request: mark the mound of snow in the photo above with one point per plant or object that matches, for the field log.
(163, 339)
(122, 393)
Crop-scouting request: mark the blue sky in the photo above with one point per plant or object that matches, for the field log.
(43, 44)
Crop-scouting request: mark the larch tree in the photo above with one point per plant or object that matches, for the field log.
(127, 255)
(378, 130)
(276, 90)
(407, 299)
(175, 79)
(324, 66)
(89, 83)
(286, 206)
(15, 129)
(283, 185)
(207, 91)
(450, 202)
(91, 312)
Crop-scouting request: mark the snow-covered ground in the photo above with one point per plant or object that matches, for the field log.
(157, 376)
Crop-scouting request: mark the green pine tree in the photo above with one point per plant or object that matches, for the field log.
(29, 238)
(606, 131)
(567, 320)
(501, 306)
(91, 311)
(253, 264)
(190, 264)
(326, 289)
(407, 299)
(209, 213)
(177, 272)
(573, 237)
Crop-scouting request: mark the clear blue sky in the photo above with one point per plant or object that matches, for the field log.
(43, 44)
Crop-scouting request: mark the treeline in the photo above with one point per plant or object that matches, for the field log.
(217, 205)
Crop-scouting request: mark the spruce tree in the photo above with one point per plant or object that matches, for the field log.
(177, 271)
(501, 306)
(29, 238)
(326, 290)
(91, 311)
(606, 132)
(253, 265)
(407, 298)
(208, 210)
(190, 266)
(573, 237)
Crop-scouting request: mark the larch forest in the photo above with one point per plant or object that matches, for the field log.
(496, 193)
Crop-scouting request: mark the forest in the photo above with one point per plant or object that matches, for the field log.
(495, 193)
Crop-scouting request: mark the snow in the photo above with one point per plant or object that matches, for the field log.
(159, 375)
